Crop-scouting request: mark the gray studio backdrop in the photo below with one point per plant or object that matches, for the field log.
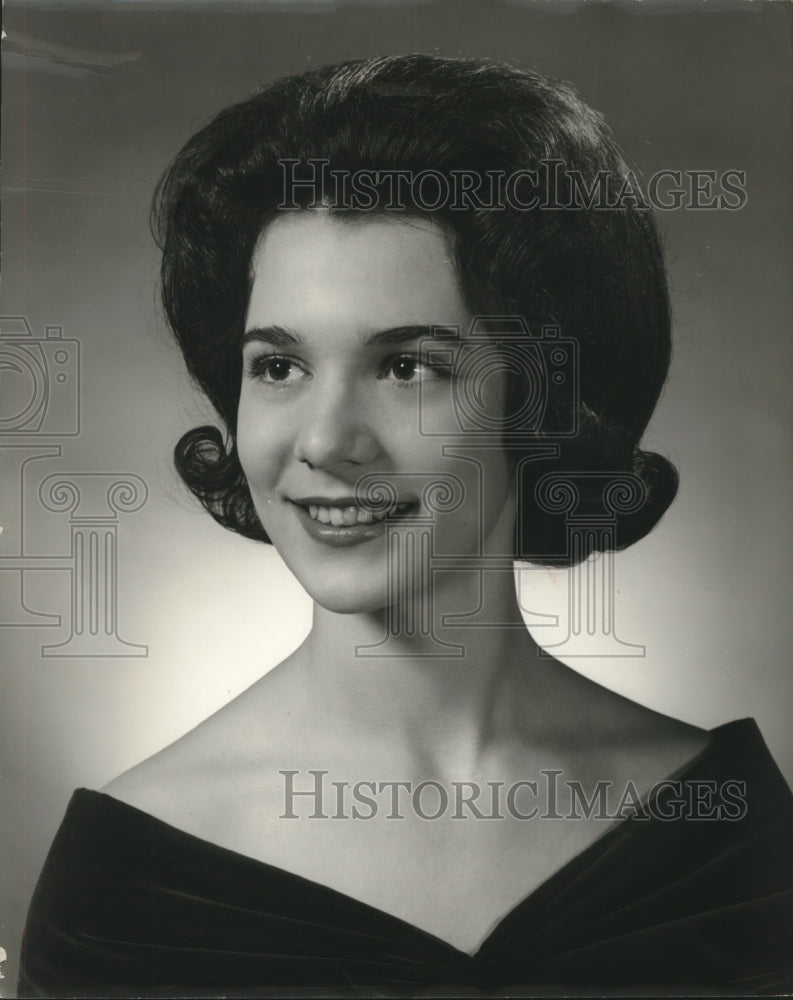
(97, 98)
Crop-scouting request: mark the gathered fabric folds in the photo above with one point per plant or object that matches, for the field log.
(128, 905)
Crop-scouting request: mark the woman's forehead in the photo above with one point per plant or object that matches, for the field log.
(313, 268)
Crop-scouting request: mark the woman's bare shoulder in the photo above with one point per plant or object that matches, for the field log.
(622, 739)
(186, 782)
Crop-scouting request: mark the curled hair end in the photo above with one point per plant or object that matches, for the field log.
(213, 474)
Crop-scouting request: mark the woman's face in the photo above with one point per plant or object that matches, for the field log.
(336, 387)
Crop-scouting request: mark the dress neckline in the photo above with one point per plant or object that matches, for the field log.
(600, 846)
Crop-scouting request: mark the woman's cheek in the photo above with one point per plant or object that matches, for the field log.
(262, 444)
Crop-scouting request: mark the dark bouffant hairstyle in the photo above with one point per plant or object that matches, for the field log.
(594, 271)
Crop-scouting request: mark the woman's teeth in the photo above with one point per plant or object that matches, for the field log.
(351, 515)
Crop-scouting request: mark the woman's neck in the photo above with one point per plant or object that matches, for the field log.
(440, 692)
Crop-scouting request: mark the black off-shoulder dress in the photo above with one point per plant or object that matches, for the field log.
(127, 905)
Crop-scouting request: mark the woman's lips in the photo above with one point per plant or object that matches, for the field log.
(347, 524)
(351, 514)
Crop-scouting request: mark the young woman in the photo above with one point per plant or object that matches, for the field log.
(427, 300)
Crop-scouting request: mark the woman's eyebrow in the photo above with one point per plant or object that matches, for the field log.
(280, 336)
(276, 336)
(397, 335)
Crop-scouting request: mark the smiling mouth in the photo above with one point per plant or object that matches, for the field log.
(347, 514)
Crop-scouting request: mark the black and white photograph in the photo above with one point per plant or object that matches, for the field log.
(395, 492)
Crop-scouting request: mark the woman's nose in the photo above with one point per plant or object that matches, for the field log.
(336, 429)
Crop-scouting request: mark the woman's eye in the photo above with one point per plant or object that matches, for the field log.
(273, 368)
(408, 368)
(404, 368)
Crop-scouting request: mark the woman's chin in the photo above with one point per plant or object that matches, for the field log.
(352, 602)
